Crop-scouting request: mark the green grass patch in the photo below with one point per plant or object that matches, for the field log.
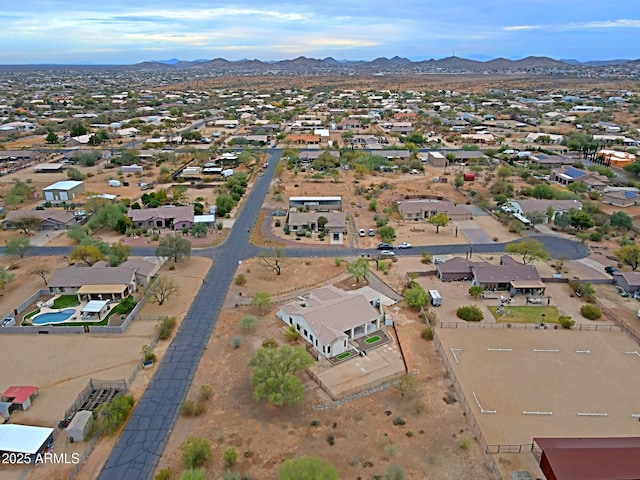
(374, 339)
(527, 314)
(343, 355)
(31, 314)
(65, 301)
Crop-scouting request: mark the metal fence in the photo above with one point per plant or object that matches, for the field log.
(530, 326)
(465, 406)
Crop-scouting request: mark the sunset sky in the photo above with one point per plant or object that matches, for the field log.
(122, 32)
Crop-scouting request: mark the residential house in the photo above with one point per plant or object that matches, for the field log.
(51, 219)
(308, 156)
(509, 275)
(144, 270)
(395, 154)
(523, 207)
(365, 141)
(176, 218)
(328, 318)
(303, 139)
(535, 137)
(483, 138)
(422, 209)
(349, 124)
(336, 223)
(568, 175)
(628, 281)
(63, 191)
(615, 158)
(550, 161)
(436, 159)
(620, 196)
(397, 127)
(468, 156)
(94, 283)
(455, 269)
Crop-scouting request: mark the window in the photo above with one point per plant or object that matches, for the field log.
(311, 338)
(329, 349)
(298, 326)
(305, 332)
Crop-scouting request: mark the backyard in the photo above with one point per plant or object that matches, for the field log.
(518, 314)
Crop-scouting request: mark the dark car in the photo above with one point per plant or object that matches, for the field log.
(610, 270)
(385, 246)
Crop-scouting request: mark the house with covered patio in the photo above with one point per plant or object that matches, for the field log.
(94, 283)
(329, 318)
(510, 276)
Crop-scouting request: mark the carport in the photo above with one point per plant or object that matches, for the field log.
(527, 287)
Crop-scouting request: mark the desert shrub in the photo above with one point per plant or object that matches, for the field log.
(205, 393)
(270, 343)
(248, 322)
(470, 313)
(427, 333)
(186, 408)
(230, 457)
(240, 279)
(515, 226)
(337, 261)
(165, 327)
(464, 443)
(591, 312)
(291, 334)
(199, 408)
(566, 322)
(394, 473)
(315, 423)
(115, 413)
(331, 440)
(236, 341)
(196, 452)
(399, 421)
(164, 474)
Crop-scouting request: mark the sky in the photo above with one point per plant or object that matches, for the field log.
(132, 31)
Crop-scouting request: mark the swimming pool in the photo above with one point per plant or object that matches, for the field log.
(53, 317)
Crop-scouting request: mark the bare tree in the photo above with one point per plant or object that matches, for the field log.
(273, 260)
(28, 223)
(162, 289)
(42, 271)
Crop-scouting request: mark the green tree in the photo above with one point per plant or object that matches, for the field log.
(439, 220)
(322, 222)
(458, 181)
(358, 269)
(416, 296)
(88, 254)
(629, 255)
(113, 414)
(199, 230)
(17, 246)
(75, 174)
(78, 129)
(123, 224)
(307, 468)
(51, 137)
(562, 220)
(543, 191)
(77, 233)
(5, 278)
(224, 204)
(530, 249)
(196, 452)
(118, 253)
(621, 220)
(387, 233)
(107, 215)
(504, 172)
(476, 290)
(173, 246)
(581, 220)
(273, 375)
(261, 299)
(248, 322)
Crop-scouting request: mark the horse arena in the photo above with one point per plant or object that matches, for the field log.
(526, 383)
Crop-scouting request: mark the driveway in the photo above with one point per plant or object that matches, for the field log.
(474, 234)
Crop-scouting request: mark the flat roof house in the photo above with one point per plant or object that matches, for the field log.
(328, 318)
(63, 191)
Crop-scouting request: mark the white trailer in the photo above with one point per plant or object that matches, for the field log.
(436, 299)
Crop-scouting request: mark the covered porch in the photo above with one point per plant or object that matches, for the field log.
(95, 309)
(527, 287)
(113, 293)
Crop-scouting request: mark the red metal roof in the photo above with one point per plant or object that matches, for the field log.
(19, 394)
(600, 458)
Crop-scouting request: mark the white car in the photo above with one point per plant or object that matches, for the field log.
(387, 253)
(404, 245)
(361, 232)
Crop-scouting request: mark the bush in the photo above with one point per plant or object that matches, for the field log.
(187, 408)
(427, 333)
(115, 413)
(291, 334)
(205, 393)
(164, 474)
(399, 421)
(591, 312)
(470, 313)
(165, 327)
(337, 261)
(196, 452)
(240, 279)
(248, 322)
(270, 343)
(230, 457)
(236, 341)
(464, 443)
(566, 322)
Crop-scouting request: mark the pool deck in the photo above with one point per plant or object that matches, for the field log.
(75, 317)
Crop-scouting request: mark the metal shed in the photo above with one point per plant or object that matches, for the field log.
(80, 426)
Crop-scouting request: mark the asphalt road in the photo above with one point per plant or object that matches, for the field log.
(143, 439)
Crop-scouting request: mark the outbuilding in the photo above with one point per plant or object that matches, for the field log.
(20, 396)
(24, 439)
(114, 183)
(80, 425)
(63, 191)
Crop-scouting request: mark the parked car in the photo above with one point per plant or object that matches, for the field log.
(279, 213)
(437, 261)
(610, 270)
(361, 232)
(404, 245)
(372, 232)
(385, 246)
(387, 253)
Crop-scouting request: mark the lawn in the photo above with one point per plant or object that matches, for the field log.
(374, 339)
(343, 355)
(533, 314)
(65, 301)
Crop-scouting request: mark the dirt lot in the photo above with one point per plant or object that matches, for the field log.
(362, 431)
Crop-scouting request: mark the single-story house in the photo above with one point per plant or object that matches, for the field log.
(628, 281)
(311, 155)
(550, 161)
(316, 203)
(365, 140)
(302, 139)
(94, 283)
(568, 175)
(534, 137)
(509, 275)
(455, 269)
(620, 197)
(20, 397)
(468, 156)
(327, 318)
(163, 217)
(349, 124)
(144, 270)
(525, 206)
(395, 154)
(422, 209)
(51, 219)
(336, 223)
(615, 158)
(63, 191)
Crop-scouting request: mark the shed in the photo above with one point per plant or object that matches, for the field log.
(469, 177)
(131, 168)
(114, 183)
(80, 426)
(24, 438)
(20, 396)
(63, 191)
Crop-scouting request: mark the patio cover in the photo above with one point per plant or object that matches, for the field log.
(19, 394)
(97, 289)
(527, 284)
(23, 438)
(95, 306)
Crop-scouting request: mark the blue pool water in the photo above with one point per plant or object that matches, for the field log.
(53, 317)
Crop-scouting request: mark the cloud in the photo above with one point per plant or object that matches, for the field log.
(622, 23)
